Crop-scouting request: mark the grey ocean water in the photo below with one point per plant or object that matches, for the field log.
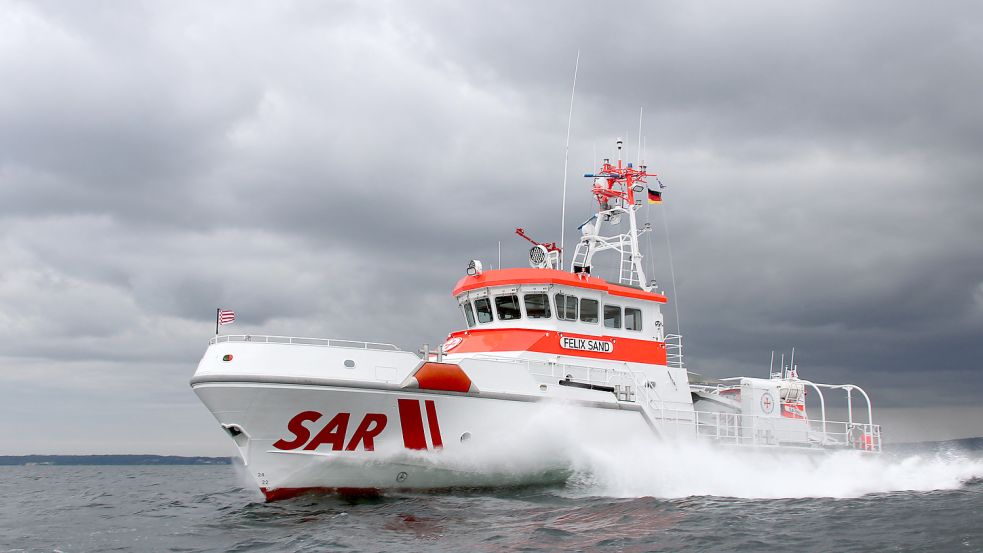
(207, 508)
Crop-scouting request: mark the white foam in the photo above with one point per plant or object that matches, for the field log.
(679, 470)
(614, 462)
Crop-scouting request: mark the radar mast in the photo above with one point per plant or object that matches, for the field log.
(620, 191)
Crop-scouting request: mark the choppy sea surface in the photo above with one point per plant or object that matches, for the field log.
(902, 501)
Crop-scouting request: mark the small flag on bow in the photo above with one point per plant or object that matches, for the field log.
(224, 317)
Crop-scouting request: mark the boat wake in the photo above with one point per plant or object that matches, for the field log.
(624, 465)
(683, 470)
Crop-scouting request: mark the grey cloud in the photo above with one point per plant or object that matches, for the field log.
(329, 170)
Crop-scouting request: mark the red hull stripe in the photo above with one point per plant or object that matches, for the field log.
(434, 425)
(411, 422)
(512, 277)
(279, 494)
(446, 377)
(543, 341)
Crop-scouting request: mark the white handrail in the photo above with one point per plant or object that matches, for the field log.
(870, 408)
(849, 388)
(296, 340)
(822, 403)
(674, 351)
(708, 424)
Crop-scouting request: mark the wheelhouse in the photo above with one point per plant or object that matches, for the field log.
(556, 303)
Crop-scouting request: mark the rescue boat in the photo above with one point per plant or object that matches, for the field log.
(544, 352)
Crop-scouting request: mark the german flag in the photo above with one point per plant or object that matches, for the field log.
(655, 196)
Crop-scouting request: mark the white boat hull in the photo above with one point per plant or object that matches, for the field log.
(407, 440)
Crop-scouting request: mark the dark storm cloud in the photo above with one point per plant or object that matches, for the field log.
(831, 74)
(329, 170)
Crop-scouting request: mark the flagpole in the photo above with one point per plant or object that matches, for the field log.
(216, 319)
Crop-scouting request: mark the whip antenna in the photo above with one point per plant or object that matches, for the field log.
(566, 160)
(672, 271)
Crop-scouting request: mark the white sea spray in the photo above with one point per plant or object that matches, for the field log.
(615, 461)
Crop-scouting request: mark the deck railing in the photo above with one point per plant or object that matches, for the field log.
(752, 430)
(323, 342)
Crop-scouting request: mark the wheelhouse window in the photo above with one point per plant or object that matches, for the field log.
(588, 310)
(633, 318)
(507, 307)
(612, 316)
(468, 313)
(566, 307)
(482, 308)
(537, 306)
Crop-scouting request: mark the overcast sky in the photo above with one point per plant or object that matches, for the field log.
(328, 169)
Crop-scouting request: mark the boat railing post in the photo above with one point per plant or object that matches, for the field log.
(751, 431)
(849, 405)
(870, 408)
(822, 406)
(738, 428)
(754, 430)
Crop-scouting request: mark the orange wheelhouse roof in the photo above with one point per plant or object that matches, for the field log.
(511, 277)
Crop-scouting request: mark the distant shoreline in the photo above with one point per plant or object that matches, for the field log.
(61, 460)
